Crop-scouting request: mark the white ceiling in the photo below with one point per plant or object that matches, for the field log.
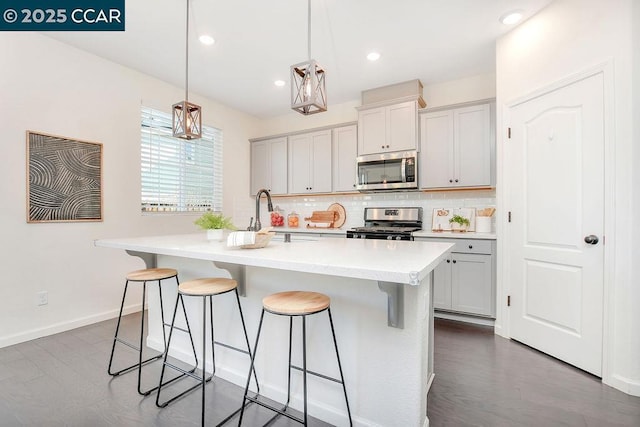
(257, 41)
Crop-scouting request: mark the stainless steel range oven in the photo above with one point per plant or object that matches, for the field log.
(388, 224)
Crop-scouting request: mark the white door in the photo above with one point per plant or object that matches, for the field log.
(554, 163)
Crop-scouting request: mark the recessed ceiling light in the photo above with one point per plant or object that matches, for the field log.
(511, 17)
(279, 83)
(373, 56)
(206, 39)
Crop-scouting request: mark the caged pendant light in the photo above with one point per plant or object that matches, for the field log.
(187, 117)
(308, 92)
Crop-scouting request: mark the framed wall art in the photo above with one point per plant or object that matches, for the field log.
(64, 179)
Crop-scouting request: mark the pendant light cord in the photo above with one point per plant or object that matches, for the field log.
(186, 86)
(309, 28)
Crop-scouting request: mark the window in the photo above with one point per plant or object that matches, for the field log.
(178, 175)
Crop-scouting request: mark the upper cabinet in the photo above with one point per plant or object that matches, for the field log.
(457, 147)
(344, 153)
(310, 162)
(388, 128)
(269, 165)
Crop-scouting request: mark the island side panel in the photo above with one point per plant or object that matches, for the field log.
(385, 368)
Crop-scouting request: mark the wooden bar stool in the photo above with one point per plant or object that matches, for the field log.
(205, 288)
(144, 276)
(294, 304)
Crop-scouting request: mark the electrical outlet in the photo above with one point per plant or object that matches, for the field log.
(43, 298)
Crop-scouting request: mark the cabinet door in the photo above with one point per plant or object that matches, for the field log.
(472, 142)
(401, 121)
(435, 162)
(299, 164)
(260, 166)
(471, 284)
(371, 131)
(310, 163)
(442, 285)
(320, 162)
(278, 166)
(345, 151)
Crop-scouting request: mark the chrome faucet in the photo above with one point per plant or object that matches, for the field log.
(257, 225)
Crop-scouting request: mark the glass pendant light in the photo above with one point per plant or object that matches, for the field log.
(187, 116)
(308, 92)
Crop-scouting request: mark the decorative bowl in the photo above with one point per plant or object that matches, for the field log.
(262, 240)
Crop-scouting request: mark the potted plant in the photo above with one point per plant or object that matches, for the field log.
(459, 223)
(215, 223)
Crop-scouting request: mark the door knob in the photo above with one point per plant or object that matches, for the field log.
(591, 239)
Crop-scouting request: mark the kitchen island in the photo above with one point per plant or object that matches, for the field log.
(381, 302)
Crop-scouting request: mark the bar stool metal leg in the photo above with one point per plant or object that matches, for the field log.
(253, 359)
(335, 344)
(183, 372)
(294, 304)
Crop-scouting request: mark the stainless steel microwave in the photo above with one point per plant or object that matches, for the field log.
(387, 171)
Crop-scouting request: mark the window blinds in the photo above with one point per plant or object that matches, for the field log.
(178, 175)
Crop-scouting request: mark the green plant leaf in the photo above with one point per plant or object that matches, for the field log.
(214, 221)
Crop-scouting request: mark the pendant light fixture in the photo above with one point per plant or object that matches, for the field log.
(308, 92)
(187, 117)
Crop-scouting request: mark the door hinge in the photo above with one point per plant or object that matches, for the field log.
(509, 133)
(508, 300)
(509, 216)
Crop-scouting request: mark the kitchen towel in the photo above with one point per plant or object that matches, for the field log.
(239, 238)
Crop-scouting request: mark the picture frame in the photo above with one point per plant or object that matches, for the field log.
(64, 179)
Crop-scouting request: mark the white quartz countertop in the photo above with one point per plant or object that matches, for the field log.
(454, 235)
(381, 260)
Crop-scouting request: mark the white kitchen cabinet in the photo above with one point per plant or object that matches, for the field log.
(310, 162)
(388, 128)
(269, 165)
(344, 153)
(465, 281)
(457, 147)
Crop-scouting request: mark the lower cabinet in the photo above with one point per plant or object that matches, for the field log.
(465, 281)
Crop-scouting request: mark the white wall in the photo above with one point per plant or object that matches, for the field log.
(565, 38)
(49, 87)
(452, 92)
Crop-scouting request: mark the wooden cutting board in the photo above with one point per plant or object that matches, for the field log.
(322, 216)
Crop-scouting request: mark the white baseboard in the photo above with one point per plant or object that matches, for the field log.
(64, 326)
(462, 318)
(623, 384)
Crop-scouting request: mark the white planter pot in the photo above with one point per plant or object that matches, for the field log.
(215, 235)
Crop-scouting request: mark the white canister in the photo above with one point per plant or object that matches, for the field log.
(483, 224)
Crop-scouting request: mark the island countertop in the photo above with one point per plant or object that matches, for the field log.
(399, 352)
(381, 260)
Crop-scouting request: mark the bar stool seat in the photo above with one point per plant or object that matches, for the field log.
(144, 276)
(295, 304)
(205, 288)
(152, 274)
(208, 286)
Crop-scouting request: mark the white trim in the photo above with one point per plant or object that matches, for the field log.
(65, 326)
(462, 318)
(624, 384)
(607, 70)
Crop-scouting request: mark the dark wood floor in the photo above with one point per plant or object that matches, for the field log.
(485, 380)
(482, 380)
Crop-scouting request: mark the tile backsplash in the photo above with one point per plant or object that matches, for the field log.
(354, 204)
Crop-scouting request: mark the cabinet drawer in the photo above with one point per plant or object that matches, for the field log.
(467, 246)
(472, 246)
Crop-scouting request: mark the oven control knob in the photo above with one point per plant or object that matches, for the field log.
(389, 237)
(398, 238)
